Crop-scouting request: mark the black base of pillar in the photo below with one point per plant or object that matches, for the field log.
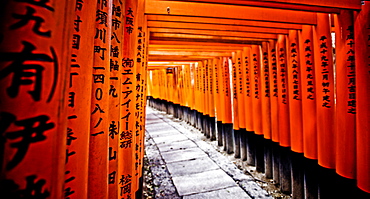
(310, 179)
(260, 157)
(297, 174)
(285, 170)
(228, 133)
(236, 143)
(212, 128)
(243, 144)
(268, 158)
(276, 162)
(251, 148)
(219, 133)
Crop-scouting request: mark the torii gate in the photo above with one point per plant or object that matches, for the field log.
(73, 76)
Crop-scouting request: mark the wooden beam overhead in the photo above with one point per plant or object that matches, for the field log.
(198, 36)
(232, 22)
(214, 33)
(325, 6)
(215, 27)
(190, 53)
(174, 42)
(193, 47)
(179, 58)
(155, 7)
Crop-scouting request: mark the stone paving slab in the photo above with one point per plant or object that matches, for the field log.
(189, 167)
(164, 133)
(180, 145)
(202, 182)
(169, 139)
(181, 155)
(228, 193)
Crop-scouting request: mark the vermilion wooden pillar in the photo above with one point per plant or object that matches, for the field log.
(308, 87)
(325, 95)
(295, 93)
(227, 92)
(34, 76)
(114, 93)
(99, 124)
(140, 96)
(241, 88)
(126, 174)
(265, 91)
(211, 101)
(219, 93)
(79, 101)
(362, 61)
(247, 64)
(235, 105)
(283, 91)
(201, 87)
(345, 94)
(227, 125)
(274, 91)
(256, 88)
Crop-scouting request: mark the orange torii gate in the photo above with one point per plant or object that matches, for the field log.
(266, 73)
(299, 71)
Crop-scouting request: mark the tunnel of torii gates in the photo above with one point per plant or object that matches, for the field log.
(290, 73)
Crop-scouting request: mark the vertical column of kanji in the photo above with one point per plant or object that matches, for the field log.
(228, 122)
(234, 79)
(220, 74)
(265, 91)
(241, 82)
(294, 89)
(362, 49)
(345, 94)
(235, 105)
(34, 64)
(256, 89)
(200, 93)
(248, 88)
(211, 100)
(98, 155)
(127, 140)
(308, 93)
(283, 99)
(325, 97)
(206, 96)
(196, 92)
(143, 47)
(114, 94)
(218, 97)
(190, 94)
(274, 100)
(139, 94)
(76, 178)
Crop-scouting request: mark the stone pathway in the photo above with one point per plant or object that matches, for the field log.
(184, 165)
